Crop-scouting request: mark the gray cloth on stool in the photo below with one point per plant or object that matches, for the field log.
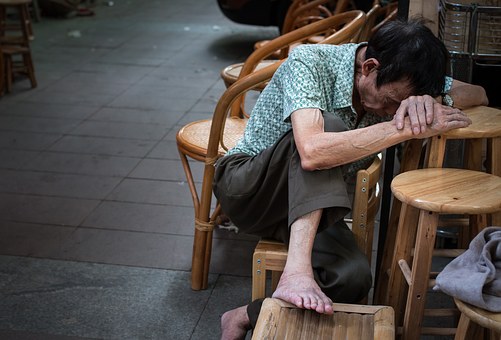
(475, 276)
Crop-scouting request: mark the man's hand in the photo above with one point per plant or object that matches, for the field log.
(445, 118)
(420, 110)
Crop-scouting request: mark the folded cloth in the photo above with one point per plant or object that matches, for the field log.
(475, 276)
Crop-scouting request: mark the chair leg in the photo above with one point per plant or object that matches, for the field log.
(199, 260)
(28, 63)
(9, 69)
(258, 275)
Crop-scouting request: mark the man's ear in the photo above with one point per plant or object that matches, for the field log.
(369, 66)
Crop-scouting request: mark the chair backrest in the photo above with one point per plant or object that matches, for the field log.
(221, 112)
(377, 17)
(366, 205)
(346, 25)
(303, 12)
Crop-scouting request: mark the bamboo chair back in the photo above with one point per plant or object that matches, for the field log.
(346, 25)
(204, 217)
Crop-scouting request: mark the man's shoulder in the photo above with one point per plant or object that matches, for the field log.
(321, 50)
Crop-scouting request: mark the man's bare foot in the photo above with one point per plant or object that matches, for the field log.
(235, 324)
(302, 290)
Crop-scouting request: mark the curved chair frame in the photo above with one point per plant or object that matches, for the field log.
(347, 26)
(205, 219)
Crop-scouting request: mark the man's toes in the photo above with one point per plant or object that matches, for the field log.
(307, 301)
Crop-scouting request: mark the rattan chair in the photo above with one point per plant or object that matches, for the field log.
(302, 13)
(272, 255)
(377, 17)
(346, 27)
(207, 140)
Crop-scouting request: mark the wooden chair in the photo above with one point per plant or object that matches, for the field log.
(281, 320)
(475, 321)
(206, 141)
(346, 25)
(272, 255)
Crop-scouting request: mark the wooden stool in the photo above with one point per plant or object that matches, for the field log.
(475, 320)
(431, 192)
(19, 32)
(15, 42)
(486, 125)
(13, 67)
(281, 320)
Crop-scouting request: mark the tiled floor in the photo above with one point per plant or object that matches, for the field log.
(96, 220)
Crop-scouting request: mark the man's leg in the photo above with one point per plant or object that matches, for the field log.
(297, 284)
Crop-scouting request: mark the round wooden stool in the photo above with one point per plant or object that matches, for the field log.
(475, 320)
(485, 127)
(431, 192)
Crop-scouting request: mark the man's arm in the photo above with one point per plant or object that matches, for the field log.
(421, 109)
(467, 95)
(322, 150)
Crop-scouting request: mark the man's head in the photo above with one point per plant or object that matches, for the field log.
(408, 50)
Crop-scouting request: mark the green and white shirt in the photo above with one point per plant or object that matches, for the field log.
(313, 76)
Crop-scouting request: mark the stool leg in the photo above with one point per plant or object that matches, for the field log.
(404, 241)
(410, 161)
(467, 329)
(494, 167)
(28, 63)
(420, 275)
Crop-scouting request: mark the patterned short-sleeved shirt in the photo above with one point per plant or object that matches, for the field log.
(313, 76)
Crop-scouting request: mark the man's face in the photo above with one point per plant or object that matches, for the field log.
(385, 100)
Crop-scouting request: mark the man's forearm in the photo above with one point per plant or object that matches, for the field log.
(331, 149)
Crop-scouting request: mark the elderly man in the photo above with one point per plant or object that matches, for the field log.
(326, 110)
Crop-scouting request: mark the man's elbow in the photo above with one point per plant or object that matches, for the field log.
(312, 159)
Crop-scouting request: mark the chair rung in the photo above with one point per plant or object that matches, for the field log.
(406, 271)
(439, 312)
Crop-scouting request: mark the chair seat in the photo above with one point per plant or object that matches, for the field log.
(193, 138)
(231, 73)
(281, 320)
(477, 192)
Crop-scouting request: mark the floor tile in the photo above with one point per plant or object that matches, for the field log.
(47, 210)
(103, 146)
(152, 191)
(93, 165)
(103, 294)
(52, 184)
(148, 218)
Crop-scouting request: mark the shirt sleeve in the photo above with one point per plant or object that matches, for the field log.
(301, 83)
(447, 84)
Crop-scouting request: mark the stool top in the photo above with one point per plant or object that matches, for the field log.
(480, 316)
(486, 123)
(444, 190)
(14, 2)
